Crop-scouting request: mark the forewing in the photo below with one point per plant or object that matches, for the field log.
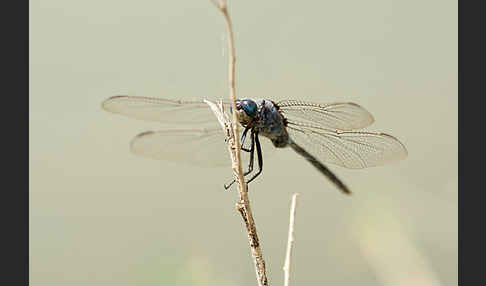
(160, 109)
(350, 149)
(339, 115)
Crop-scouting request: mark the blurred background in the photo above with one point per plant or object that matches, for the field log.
(100, 215)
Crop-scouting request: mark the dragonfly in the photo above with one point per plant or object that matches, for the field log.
(318, 132)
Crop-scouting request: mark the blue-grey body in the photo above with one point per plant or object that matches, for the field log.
(263, 117)
(271, 123)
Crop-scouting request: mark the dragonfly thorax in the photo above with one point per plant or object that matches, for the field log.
(263, 116)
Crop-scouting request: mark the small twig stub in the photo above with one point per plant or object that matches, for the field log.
(290, 241)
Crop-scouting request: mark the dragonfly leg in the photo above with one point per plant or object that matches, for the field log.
(243, 137)
(252, 153)
(250, 164)
(260, 158)
(227, 186)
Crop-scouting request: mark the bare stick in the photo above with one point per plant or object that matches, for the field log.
(234, 146)
(290, 241)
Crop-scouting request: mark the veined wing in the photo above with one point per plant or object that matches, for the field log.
(339, 115)
(201, 147)
(350, 149)
(160, 109)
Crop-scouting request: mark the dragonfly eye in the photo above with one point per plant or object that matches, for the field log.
(250, 107)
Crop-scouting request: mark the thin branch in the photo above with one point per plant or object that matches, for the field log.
(234, 146)
(290, 241)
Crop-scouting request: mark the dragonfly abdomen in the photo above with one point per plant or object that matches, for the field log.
(319, 166)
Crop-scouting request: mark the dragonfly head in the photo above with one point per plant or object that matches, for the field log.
(246, 110)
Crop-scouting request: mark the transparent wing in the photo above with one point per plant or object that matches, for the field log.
(350, 149)
(160, 109)
(339, 115)
(200, 147)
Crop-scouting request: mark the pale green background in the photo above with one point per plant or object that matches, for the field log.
(102, 216)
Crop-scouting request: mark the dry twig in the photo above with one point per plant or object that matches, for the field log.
(234, 146)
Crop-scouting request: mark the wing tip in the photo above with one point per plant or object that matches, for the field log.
(402, 146)
(135, 139)
(371, 118)
(138, 136)
(105, 104)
